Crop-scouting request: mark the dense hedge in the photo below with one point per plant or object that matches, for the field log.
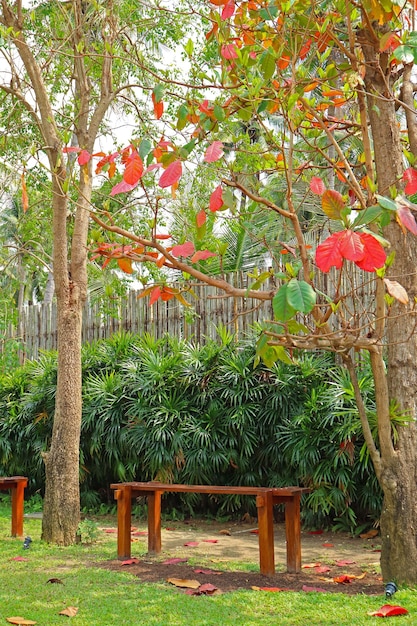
(170, 410)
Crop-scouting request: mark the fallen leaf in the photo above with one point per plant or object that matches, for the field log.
(140, 533)
(344, 562)
(210, 541)
(207, 571)
(110, 530)
(371, 533)
(174, 561)
(328, 545)
(272, 589)
(172, 528)
(19, 620)
(344, 579)
(207, 588)
(55, 581)
(70, 611)
(191, 544)
(225, 532)
(184, 582)
(133, 561)
(315, 532)
(310, 565)
(317, 589)
(255, 531)
(18, 558)
(322, 569)
(388, 610)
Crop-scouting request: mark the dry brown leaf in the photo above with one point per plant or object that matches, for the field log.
(20, 620)
(225, 532)
(396, 290)
(371, 533)
(184, 582)
(70, 611)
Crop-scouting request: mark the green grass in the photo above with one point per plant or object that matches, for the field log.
(106, 598)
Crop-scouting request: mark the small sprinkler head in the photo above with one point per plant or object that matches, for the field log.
(390, 589)
(27, 542)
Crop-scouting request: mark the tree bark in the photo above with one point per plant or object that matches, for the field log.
(398, 476)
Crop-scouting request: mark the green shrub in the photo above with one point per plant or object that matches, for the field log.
(170, 410)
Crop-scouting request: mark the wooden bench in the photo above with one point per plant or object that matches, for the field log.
(266, 498)
(16, 484)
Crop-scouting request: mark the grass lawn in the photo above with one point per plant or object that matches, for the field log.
(106, 598)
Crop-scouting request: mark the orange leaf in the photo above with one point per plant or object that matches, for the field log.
(25, 198)
(125, 265)
(332, 203)
(133, 170)
(216, 199)
(201, 218)
(19, 620)
(158, 106)
(156, 293)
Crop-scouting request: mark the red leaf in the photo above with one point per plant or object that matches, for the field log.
(207, 588)
(83, 157)
(344, 562)
(201, 255)
(133, 561)
(317, 186)
(228, 51)
(191, 544)
(140, 533)
(351, 246)
(328, 253)
(328, 545)
(315, 532)
(322, 569)
(410, 177)
(374, 253)
(158, 107)
(19, 558)
(211, 540)
(344, 579)
(185, 249)
(156, 293)
(406, 218)
(208, 572)
(228, 10)
(214, 152)
(388, 610)
(71, 149)
(171, 175)
(134, 169)
(216, 199)
(121, 187)
(201, 218)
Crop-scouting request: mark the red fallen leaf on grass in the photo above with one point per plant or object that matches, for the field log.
(344, 563)
(174, 561)
(140, 533)
(191, 544)
(316, 589)
(315, 532)
(272, 589)
(388, 610)
(209, 572)
(255, 531)
(328, 545)
(110, 530)
(210, 540)
(133, 561)
(18, 558)
(322, 569)
(310, 565)
(172, 528)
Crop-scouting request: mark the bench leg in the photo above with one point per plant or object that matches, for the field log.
(154, 522)
(124, 521)
(266, 534)
(17, 509)
(293, 534)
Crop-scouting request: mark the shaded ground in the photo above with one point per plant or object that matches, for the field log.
(335, 562)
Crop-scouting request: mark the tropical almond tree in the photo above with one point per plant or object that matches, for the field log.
(305, 112)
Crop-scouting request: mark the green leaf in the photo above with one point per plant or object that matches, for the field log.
(405, 54)
(189, 47)
(219, 113)
(386, 203)
(300, 295)
(144, 148)
(368, 215)
(158, 92)
(283, 311)
(268, 65)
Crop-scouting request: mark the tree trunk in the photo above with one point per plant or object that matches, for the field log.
(398, 476)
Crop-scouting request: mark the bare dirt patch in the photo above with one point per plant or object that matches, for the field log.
(215, 549)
